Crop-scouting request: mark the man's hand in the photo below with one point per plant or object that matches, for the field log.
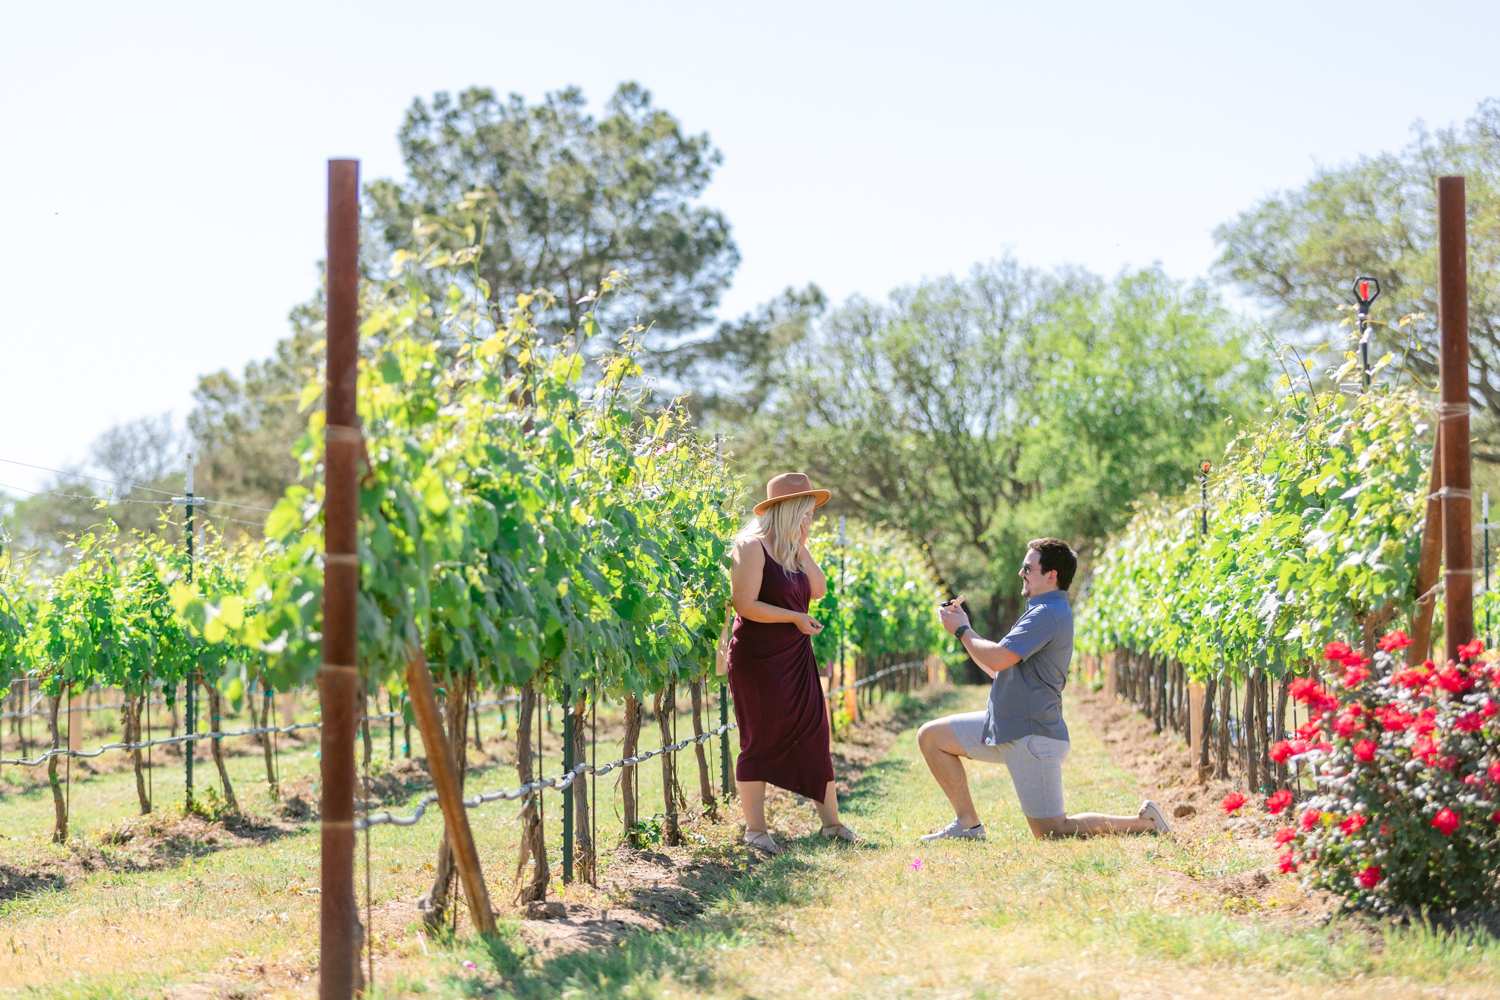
(952, 614)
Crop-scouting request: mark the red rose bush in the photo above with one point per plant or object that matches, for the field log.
(1406, 761)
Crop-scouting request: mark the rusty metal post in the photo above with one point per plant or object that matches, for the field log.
(338, 681)
(1453, 317)
(444, 768)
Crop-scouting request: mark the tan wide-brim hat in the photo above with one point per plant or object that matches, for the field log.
(789, 485)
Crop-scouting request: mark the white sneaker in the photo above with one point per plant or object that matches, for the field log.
(1149, 810)
(956, 831)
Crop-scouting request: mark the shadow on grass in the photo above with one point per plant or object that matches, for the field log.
(733, 900)
(635, 964)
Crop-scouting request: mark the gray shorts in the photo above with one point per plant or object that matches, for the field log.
(1035, 763)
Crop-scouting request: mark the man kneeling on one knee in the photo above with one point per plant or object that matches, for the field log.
(1023, 727)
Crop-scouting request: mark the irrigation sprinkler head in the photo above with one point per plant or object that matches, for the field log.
(1366, 291)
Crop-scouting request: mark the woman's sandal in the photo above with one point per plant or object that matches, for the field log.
(840, 832)
(761, 839)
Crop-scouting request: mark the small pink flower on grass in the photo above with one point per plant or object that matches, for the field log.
(916, 864)
(469, 965)
(1233, 803)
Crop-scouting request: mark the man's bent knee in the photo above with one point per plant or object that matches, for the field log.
(938, 735)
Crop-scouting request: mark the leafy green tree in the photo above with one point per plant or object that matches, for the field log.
(245, 426)
(1299, 251)
(567, 199)
(974, 414)
(732, 373)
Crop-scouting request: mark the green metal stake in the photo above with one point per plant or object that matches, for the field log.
(1485, 516)
(723, 741)
(567, 803)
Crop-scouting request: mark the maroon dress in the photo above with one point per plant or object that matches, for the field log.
(778, 702)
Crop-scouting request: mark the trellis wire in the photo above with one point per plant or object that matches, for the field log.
(194, 737)
(561, 783)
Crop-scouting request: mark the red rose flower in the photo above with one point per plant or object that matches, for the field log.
(1470, 650)
(1288, 863)
(1395, 640)
(1469, 722)
(1355, 676)
(1489, 709)
(1280, 751)
(1352, 825)
(1310, 819)
(1364, 750)
(1347, 725)
(1310, 730)
(1278, 802)
(1284, 836)
(1370, 877)
(1455, 680)
(1426, 721)
(1393, 718)
(1495, 771)
(1414, 679)
(1336, 650)
(1233, 803)
(1446, 822)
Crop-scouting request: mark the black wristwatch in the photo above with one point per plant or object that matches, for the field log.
(960, 633)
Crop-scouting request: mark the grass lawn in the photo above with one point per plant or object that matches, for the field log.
(1111, 917)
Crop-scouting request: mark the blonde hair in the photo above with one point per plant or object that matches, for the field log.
(780, 528)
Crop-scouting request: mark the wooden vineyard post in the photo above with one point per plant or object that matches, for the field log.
(75, 725)
(1196, 695)
(338, 679)
(1111, 675)
(851, 693)
(444, 770)
(1453, 373)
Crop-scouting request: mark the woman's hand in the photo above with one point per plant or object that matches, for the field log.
(806, 529)
(807, 624)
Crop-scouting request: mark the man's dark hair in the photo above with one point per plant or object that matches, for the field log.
(1056, 555)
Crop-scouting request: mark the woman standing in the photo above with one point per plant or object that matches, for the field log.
(778, 702)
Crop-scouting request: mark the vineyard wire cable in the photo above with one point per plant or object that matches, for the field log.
(560, 783)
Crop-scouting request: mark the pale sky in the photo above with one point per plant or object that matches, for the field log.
(162, 182)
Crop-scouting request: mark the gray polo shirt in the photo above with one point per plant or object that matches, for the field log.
(1026, 700)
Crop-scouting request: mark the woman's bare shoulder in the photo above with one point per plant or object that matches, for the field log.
(748, 550)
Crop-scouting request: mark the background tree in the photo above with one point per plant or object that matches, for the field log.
(974, 414)
(570, 200)
(246, 427)
(136, 465)
(1299, 251)
(731, 373)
